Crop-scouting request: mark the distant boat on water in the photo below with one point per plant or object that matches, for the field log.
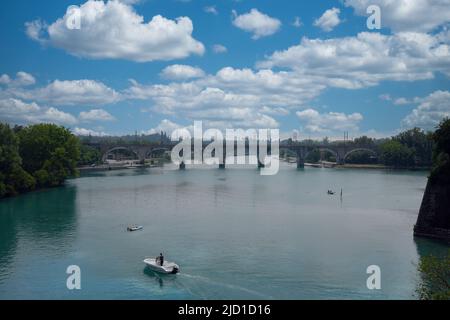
(134, 228)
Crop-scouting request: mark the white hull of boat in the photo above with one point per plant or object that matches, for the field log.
(135, 228)
(167, 268)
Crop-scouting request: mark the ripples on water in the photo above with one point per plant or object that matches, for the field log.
(234, 233)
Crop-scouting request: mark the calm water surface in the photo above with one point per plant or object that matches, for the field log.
(234, 233)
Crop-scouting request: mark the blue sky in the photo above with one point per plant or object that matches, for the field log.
(327, 74)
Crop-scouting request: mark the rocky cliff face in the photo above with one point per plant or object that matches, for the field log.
(434, 215)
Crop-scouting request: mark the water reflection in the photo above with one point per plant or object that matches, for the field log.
(8, 240)
(160, 279)
(426, 247)
(44, 219)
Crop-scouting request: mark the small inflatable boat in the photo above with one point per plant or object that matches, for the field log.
(167, 268)
(134, 228)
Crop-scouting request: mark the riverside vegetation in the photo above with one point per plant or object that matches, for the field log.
(37, 156)
(408, 150)
(45, 155)
(434, 219)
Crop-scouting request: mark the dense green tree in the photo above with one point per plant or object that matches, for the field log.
(19, 181)
(89, 155)
(42, 177)
(419, 141)
(361, 157)
(313, 156)
(9, 148)
(13, 179)
(49, 152)
(441, 153)
(442, 137)
(317, 155)
(395, 154)
(364, 141)
(435, 272)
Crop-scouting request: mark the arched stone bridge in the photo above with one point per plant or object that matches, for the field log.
(341, 151)
(142, 152)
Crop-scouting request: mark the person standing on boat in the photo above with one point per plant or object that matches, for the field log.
(161, 259)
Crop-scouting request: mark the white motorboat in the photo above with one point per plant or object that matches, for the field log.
(167, 268)
(135, 228)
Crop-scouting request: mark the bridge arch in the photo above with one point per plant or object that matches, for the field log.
(321, 149)
(287, 150)
(108, 152)
(369, 150)
(150, 153)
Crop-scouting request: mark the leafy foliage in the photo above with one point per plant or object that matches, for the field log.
(397, 155)
(89, 156)
(317, 155)
(435, 272)
(442, 136)
(46, 142)
(361, 157)
(441, 154)
(39, 155)
(364, 141)
(419, 141)
(411, 148)
(13, 179)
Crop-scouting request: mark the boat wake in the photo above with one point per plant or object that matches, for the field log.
(220, 284)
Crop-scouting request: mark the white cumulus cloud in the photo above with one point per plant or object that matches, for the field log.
(182, 72)
(256, 22)
(113, 30)
(211, 9)
(367, 59)
(70, 92)
(316, 122)
(430, 111)
(166, 126)
(83, 132)
(329, 20)
(266, 93)
(96, 115)
(218, 48)
(404, 15)
(20, 112)
(22, 79)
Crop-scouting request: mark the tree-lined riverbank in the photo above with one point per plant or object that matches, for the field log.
(411, 149)
(41, 156)
(36, 157)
